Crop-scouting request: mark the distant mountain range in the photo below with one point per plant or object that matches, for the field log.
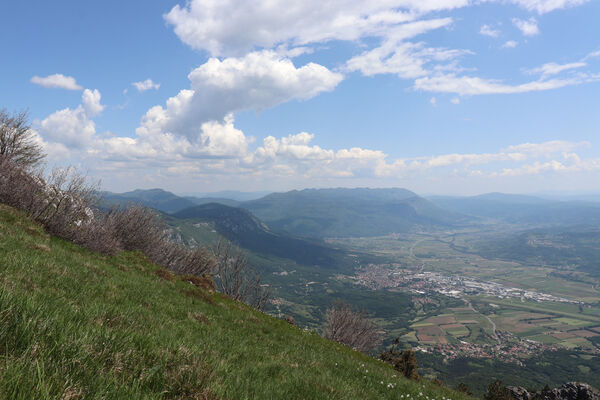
(523, 209)
(162, 200)
(154, 198)
(349, 212)
(322, 213)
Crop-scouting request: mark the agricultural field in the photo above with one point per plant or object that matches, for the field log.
(427, 262)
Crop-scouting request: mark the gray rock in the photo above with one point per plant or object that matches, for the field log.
(568, 391)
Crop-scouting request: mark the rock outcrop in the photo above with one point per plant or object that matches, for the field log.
(568, 391)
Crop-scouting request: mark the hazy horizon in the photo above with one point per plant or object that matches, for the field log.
(558, 195)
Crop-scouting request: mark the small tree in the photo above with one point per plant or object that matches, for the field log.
(17, 140)
(497, 392)
(463, 388)
(236, 279)
(347, 326)
(404, 361)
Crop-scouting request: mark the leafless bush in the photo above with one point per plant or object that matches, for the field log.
(236, 279)
(17, 188)
(138, 228)
(345, 325)
(63, 203)
(68, 203)
(17, 140)
(98, 234)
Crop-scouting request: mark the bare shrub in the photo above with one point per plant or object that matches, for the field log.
(164, 274)
(138, 228)
(67, 203)
(204, 281)
(18, 189)
(98, 234)
(236, 279)
(350, 327)
(18, 141)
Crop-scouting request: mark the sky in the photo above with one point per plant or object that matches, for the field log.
(437, 96)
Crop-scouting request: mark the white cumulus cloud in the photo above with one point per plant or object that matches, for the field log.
(219, 87)
(58, 81)
(73, 128)
(234, 27)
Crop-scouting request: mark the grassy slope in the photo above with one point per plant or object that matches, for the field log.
(74, 324)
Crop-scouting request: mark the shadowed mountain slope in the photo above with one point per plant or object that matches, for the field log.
(247, 231)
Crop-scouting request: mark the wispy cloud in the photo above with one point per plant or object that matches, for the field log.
(527, 27)
(487, 30)
(545, 6)
(146, 85)
(554, 68)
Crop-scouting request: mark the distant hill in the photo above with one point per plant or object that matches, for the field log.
(155, 198)
(244, 229)
(230, 194)
(162, 200)
(206, 200)
(522, 209)
(349, 212)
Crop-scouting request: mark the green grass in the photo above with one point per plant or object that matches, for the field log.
(78, 325)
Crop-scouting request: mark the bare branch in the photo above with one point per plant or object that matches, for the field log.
(345, 325)
(18, 141)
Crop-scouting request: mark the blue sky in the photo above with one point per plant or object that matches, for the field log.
(438, 96)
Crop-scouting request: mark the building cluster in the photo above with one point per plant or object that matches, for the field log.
(510, 349)
(381, 276)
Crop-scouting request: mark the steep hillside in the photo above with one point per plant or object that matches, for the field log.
(349, 212)
(77, 325)
(247, 231)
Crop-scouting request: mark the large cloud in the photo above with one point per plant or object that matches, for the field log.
(219, 87)
(234, 27)
(73, 128)
(237, 27)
